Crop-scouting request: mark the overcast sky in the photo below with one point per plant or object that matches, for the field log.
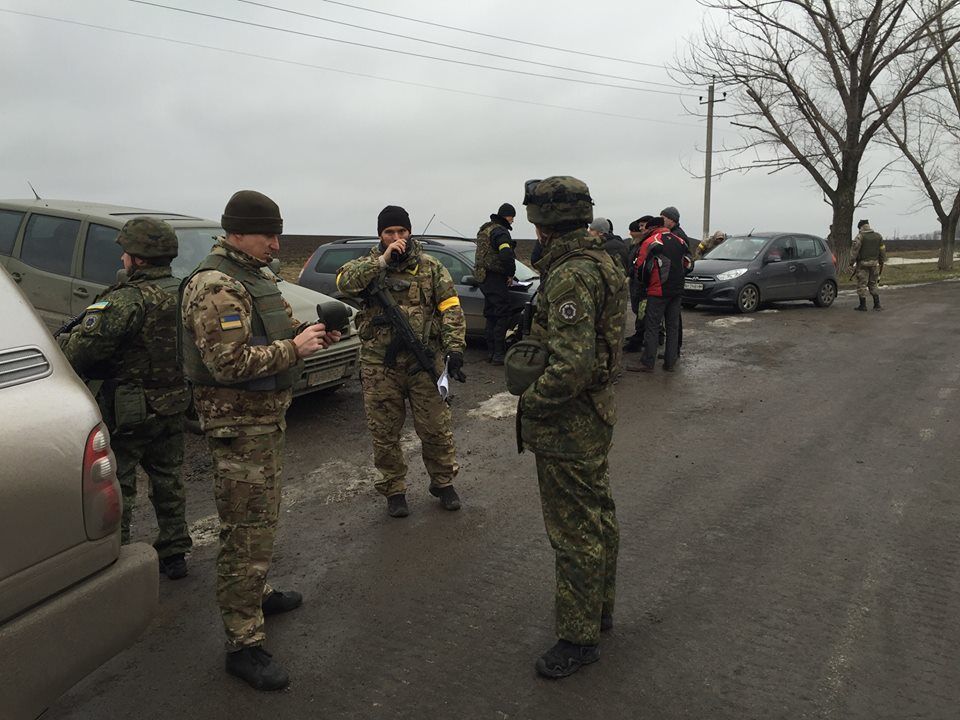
(90, 114)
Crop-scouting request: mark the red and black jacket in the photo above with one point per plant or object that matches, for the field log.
(662, 262)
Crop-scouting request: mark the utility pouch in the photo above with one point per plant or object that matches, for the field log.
(129, 406)
(525, 361)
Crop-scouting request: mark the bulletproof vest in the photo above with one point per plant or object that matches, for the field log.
(870, 243)
(488, 256)
(269, 322)
(150, 360)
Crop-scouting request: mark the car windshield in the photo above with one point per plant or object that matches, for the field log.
(523, 273)
(738, 248)
(195, 244)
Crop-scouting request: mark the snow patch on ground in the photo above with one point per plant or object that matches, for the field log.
(501, 405)
(726, 322)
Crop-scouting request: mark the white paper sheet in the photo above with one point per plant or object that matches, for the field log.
(443, 384)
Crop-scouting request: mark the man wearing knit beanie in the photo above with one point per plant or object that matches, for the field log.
(241, 390)
(494, 267)
(391, 375)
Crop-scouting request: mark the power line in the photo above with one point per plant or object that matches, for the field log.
(455, 47)
(352, 73)
(402, 52)
(495, 37)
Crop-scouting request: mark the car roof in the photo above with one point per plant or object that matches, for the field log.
(771, 234)
(104, 211)
(446, 241)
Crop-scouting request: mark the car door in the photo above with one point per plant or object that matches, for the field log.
(814, 262)
(42, 265)
(99, 263)
(471, 299)
(10, 222)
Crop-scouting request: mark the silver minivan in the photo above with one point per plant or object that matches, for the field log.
(64, 253)
(71, 596)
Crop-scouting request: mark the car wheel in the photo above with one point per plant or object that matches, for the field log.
(827, 294)
(748, 299)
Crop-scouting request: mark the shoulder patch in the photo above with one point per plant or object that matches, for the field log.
(91, 321)
(98, 306)
(569, 311)
(230, 322)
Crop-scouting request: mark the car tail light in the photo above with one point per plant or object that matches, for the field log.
(834, 256)
(101, 490)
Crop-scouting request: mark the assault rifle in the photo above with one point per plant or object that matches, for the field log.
(69, 325)
(404, 338)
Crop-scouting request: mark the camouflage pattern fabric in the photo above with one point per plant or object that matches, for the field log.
(216, 313)
(867, 278)
(422, 286)
(247, 490)
(491, 236)
(709, 244)
(581, 522)
(567, 419)
(385, 392)
(868, 255)
(127, 339)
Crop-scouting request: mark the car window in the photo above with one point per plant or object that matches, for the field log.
(101, 255)
(807, 248)
(523, 273)
(333, 259)
(48, 243)
(193, 245)
(783, 248)
(457, 267)
(9, 227)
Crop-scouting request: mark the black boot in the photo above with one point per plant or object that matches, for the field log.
(397, 506)
(257, 668)
(565, 658)
(876, 303)
(281, 601)
(448, 496)
(633, 344)
(862, 306)
(489, 334)
(174, 566)
(500, 341)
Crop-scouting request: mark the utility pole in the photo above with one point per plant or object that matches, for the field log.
(708, 170)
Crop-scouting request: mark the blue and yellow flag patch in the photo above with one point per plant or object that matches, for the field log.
(230, 322)
(98, 306)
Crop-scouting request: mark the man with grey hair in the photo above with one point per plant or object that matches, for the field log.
(602, 228)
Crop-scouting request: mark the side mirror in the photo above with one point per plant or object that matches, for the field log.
(469, 280)
(274, 266)
(772, 259)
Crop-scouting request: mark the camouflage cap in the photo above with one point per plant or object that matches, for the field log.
(558, 199)
(147, 237)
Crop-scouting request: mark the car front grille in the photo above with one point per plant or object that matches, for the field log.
(331, 358)
(22, 365)
(700, 278)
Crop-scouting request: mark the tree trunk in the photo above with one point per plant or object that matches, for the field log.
(948, 238)
(843, 208)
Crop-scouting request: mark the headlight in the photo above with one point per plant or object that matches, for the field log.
(731, 274)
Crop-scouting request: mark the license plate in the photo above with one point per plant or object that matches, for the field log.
(692, 286)
(321, 377)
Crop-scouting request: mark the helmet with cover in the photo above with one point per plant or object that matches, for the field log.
(558, 200)
(148, 238)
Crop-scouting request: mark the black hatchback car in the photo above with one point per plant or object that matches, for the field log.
(456, 254)
(749, 270)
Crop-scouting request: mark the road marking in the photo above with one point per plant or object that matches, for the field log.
(501, 405)
(927, 434)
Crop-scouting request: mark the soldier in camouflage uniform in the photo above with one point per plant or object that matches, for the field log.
(709, 244)
(242, 354)
(868, 255)
(423, 289)
(126, 342)
(494, 268)
(567, 414)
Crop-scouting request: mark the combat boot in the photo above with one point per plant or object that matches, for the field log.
(448, 496)
(565, 658)
(174, 566)
(397, 506)
(257, 668)
(876, 303)
(281, 601)
(633, 344)
(489, 333)
(862, 306)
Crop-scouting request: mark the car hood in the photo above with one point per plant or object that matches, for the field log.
(715, 267)
(304, 301)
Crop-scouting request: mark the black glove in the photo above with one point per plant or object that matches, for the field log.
(455, 366)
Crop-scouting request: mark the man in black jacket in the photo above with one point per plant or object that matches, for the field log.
(494, 268)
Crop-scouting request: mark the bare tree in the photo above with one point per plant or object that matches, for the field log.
(813, 81)
(926, 130)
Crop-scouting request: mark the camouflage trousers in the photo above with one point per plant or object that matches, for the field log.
(867, 277)
(385, 394)
(247, 490)
(157, 446)
(581, 521)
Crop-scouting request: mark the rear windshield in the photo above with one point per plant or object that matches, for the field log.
(738, 248)
(333, 259)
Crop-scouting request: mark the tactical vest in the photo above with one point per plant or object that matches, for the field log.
(269, 322)
(152, 361)
(413, 292)
(488, 257)
(870, 244)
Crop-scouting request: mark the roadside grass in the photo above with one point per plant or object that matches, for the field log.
(904, 274)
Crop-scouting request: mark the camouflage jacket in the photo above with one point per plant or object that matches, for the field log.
(570, 410)
(216, 313)
(868, 248)
(422, 286)
(128, 339)
(495, 249)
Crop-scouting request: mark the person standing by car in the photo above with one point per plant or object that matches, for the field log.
(127, 343)
(390, 375)
(242, 353)
(709, 244)
(567, 413)
(868, 255)
(638, 233)
(494, 268)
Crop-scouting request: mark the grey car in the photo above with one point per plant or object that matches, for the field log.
(71, 597)
(748, 270)
(456, 254)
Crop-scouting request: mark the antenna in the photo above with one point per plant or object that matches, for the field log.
(428, 226)
(35, 194)
(452, 228)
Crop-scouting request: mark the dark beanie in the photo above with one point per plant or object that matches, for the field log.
(507, 210)
(671, 212)
(635, 226)
(392, 215)
(253, 213)
(862, 223)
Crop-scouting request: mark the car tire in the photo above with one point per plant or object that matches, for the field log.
(748, 299)
(826, 294)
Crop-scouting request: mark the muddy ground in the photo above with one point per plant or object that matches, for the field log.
(790, 524)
